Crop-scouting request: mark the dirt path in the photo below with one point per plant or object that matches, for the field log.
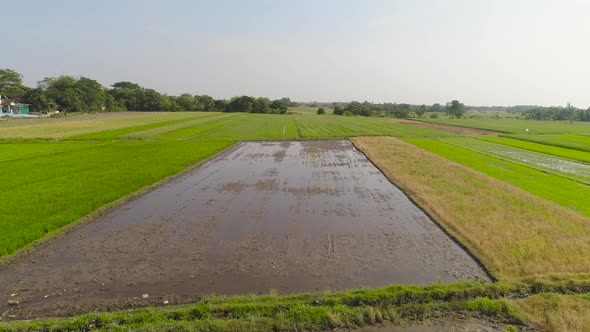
(290, 216)
(448, 128)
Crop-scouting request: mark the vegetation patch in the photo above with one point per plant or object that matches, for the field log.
(576, 142)
(565, 192)
(48, 188)
(319, 311)
(555, 312)
(566, 153)
(515, 234)
(517, 126)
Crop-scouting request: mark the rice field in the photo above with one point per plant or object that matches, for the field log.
(575, 142)
(517, 126)
(55, 172)
(540, 161)
(555, 188)
(49, 185)
(571, 154)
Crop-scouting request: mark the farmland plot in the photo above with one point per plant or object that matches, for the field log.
(560, 166)
(289, 216)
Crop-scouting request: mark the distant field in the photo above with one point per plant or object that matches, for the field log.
(211, 126)
(541, 148)
(517, 126)
(48, 185)
(343, 126)
(540, 161)
(576, 142)
(82, 124)
(555, 188)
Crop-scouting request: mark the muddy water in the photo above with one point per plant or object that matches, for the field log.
(288, 216)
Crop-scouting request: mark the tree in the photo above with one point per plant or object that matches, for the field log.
(240, 104)
(280, 105)
(205, 103)
(338, 110)
(356, 108)
(127, 95)
(261, 105)
(436, 107)
(151, 101)
(401, 113)
(92, 94)
(220, 105)
(72, 94)
(11, 84)
(111, 105)
(421, 111)
(185, 102)
(39, 100)
(455, 109)
(321, 111)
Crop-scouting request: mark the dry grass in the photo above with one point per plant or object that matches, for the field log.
(514, 234)
(555, 312)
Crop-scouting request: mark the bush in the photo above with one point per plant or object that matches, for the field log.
(321, 110)
(434, 116)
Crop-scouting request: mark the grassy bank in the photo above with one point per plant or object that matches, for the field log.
(501, 303)
(515, 234)
(320, 311)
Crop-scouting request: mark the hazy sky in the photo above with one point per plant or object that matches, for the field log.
(496, 52)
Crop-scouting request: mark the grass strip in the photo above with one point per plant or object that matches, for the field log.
(318, 311)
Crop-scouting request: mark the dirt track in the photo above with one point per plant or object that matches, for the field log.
(290, 216)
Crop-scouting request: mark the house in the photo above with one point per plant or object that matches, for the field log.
(11, 107)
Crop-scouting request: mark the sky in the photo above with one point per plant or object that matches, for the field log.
(495, 52)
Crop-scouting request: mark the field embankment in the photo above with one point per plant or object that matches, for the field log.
(398, 305)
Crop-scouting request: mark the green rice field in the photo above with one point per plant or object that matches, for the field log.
(517, 126)
(59, 170)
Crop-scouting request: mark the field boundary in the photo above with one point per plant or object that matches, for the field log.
(107, 208)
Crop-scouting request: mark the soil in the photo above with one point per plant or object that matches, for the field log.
(448, 128)
(283, 216)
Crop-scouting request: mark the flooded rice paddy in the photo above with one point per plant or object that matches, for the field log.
(262, 216)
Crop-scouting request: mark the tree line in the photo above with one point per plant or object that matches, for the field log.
(567, 113)
(81, 94)
(453, 109)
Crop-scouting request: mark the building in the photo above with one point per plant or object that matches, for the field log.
(11, 107)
